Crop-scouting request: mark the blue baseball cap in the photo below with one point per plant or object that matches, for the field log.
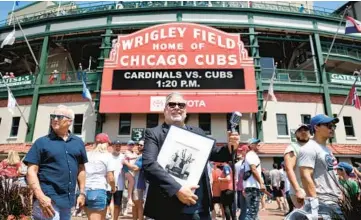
(254, 141)
(322, 119)
(346, 167)
(130, 142)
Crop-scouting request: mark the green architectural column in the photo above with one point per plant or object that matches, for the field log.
(323, 74)
(39, 77)
(179, 16)
(255, 54)
(105, 50)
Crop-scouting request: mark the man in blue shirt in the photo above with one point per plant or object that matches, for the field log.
(55, 163)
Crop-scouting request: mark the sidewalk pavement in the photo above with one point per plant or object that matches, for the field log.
(271, 213)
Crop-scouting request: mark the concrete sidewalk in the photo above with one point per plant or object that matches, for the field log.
(271, 213)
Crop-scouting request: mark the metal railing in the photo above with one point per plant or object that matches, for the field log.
(68, 77)
(104, 6)
(345, 50)
(292, 76)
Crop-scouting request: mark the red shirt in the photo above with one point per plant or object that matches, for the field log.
(216, 185)
(226, 184)
(8, 170)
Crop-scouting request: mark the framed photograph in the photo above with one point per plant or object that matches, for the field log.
(184, 155)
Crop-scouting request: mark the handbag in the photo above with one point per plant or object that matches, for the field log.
(248, 174)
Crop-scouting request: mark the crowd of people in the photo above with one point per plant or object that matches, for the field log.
(310, 183)
(108, 180)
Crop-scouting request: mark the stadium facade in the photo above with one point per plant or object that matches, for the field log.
(221, 55)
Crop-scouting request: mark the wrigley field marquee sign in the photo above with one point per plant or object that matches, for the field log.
(17, 81)
(188, 57)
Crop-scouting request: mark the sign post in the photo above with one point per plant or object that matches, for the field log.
(137, 134)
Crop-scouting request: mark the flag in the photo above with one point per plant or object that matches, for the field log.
(86, 94)
(352, 25)
(17, 3)
(11, 101)
(353, 98)
(9, 40)
(270, 91)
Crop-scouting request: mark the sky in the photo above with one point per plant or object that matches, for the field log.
(6, 6)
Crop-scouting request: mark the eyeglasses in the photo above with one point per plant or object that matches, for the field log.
(328, 125)
(181, 105)
(59, 117)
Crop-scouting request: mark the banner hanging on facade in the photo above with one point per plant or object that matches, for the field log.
(17, 81)
(344, 79)
(197, 60)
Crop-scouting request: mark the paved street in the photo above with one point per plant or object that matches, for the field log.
(271, 213)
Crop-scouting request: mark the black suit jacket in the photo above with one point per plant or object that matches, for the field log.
(162, 202)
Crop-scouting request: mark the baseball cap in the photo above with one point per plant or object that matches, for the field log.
(244, 147)
(302, 126)
(117, 142)
(102, 138)
(322, 119)
(254, 141)
(346, 167)
(130, 142)
(141, 142)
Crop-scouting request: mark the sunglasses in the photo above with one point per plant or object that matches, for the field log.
(59, 117)
(181, 105)
(329, 125)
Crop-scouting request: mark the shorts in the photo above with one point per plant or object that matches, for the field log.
(277, 192)
(227, 197)
(109, 197)
(96, 199)
(138, 194)
(117, 197)
(216, 199)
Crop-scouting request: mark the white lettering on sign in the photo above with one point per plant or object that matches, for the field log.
(208, 36)
(157, 103)
(214, 39)
(156, 35)
(154, 60)
(216, 59)
(196, 103)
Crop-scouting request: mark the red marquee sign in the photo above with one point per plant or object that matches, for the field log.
(209, 66)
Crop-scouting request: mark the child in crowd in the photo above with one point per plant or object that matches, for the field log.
(130, 158)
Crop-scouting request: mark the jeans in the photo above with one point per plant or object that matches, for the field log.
(242, 205)
(328, 210)
(289, 201)
(96, 199)
(60, 213)
(253, 197)
(195, 216)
